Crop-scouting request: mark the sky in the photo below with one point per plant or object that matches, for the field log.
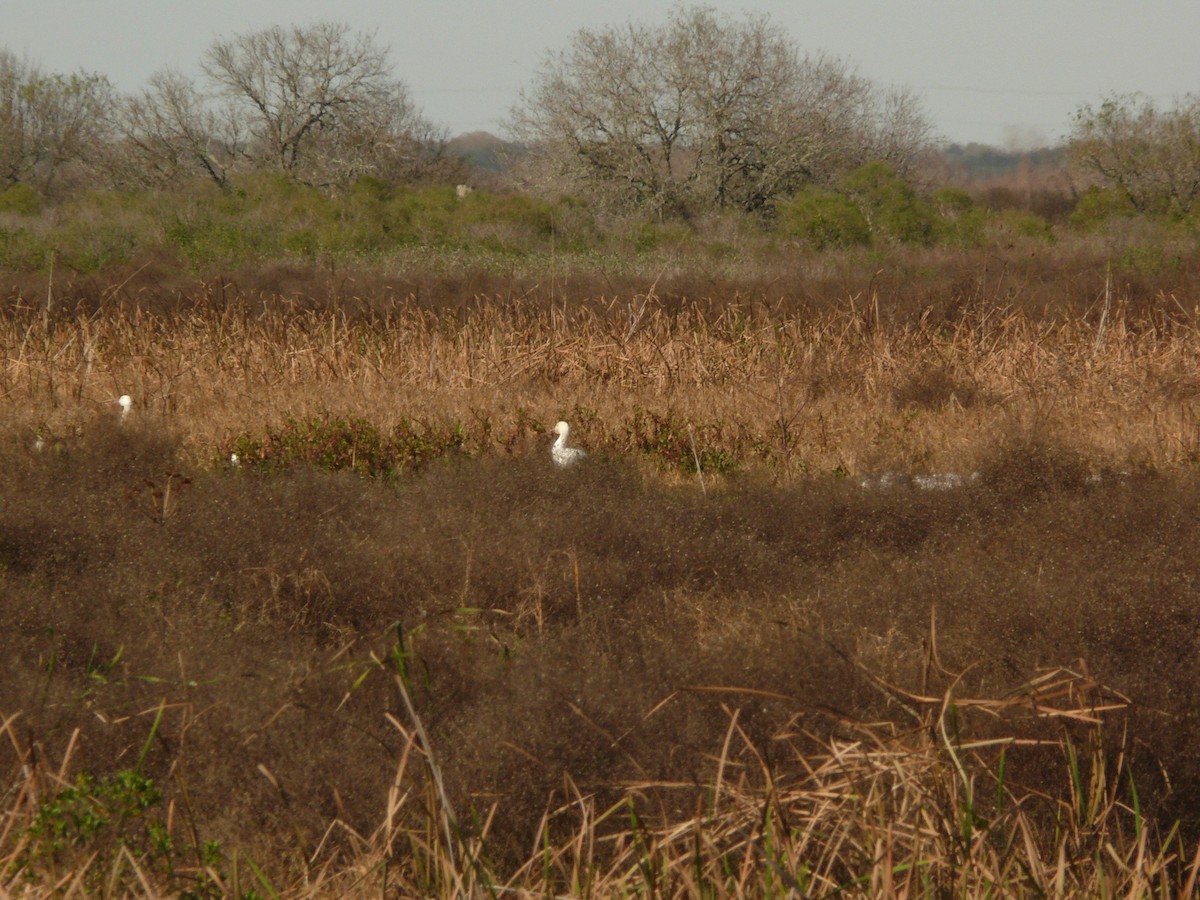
(1009, 73)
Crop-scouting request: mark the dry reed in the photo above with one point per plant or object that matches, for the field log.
(935, 783)
(843, 389)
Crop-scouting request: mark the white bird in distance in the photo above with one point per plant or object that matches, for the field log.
(563, 455)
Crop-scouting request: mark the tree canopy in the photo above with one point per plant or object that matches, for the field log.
(48, 122)
(704, 112)
(1150, 157)
(318, 103)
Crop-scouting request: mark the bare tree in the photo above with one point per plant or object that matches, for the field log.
(1151, 157)
(706, 112)
(49, 122)
(171, 131)
(600, 115)
(317, 103)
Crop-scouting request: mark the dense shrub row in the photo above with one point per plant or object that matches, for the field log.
(267, 217)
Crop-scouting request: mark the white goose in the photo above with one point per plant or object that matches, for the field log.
(563, 455)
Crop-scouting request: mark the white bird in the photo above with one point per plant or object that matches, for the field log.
(939, 481)
(126, 404)
(562, 454)
(942, 481)
(884, 480)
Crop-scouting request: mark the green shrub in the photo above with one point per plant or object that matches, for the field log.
(369, 189)
(115, 816)
(76, 814)
(968, 230)
(1149, 258)
(20, 199)
(575, 226)
(952, 203)
(507, 224)
(1026, 225)
(483, 207)
(265, 216)
(427, 213)
(21, 250)
(334, 443)
(303, 243)
(89, 246)
(823, 218)
(890, 204)
(647, 237)
(673, 445)
(1100, 205)
(216, 242)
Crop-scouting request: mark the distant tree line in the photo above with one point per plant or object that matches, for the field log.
(316, 104)
(701, 113)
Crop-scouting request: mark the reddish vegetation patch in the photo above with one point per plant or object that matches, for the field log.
(540, 618)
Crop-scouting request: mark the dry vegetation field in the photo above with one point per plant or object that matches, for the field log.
(393, 652)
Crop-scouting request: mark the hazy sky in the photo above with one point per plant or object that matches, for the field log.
(1004, 72)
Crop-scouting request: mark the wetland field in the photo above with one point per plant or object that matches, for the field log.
(391, 650)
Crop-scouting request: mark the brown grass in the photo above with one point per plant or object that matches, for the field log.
(853, 379)
(490, 677)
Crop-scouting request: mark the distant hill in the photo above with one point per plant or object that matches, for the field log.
(981, 162)
(979, 166)
(483, 150)
(973, 162)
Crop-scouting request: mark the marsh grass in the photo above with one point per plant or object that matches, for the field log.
(395, 651)
(803, 373)
(490, 679)
(924, 809)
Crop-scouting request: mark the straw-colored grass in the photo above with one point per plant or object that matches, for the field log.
(841, 389)
(877, 811)
(912, 793)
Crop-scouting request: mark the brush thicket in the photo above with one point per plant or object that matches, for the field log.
(395, 650)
